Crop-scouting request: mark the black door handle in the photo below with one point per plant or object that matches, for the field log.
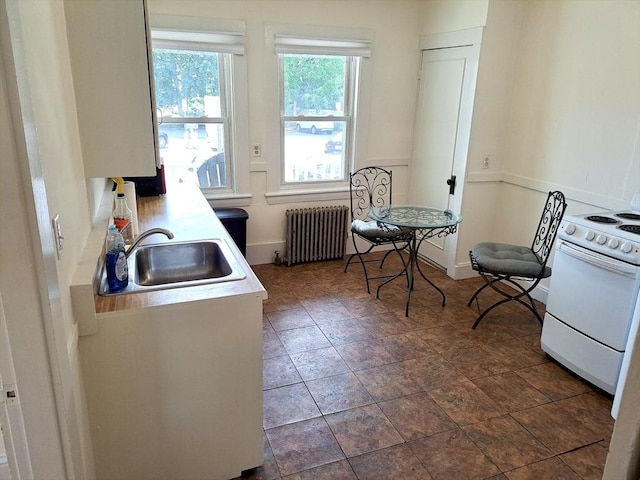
(452, 184)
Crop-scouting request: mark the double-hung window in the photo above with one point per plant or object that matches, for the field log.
(318, 101)
(194, 100)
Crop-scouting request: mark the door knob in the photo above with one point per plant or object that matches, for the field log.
(452, 184)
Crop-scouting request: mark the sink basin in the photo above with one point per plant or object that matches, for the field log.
(178, 264)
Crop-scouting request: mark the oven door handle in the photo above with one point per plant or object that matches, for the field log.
(601, 261)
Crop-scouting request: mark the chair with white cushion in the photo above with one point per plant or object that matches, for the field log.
(500, 263)
(370, 187)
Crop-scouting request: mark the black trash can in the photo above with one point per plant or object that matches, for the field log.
(235, 221)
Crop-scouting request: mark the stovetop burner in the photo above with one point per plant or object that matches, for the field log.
(601, 219)
(630, 228)
(629, 216)
(614, 234)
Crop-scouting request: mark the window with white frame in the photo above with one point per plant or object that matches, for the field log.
(193, 82)
(318, 99)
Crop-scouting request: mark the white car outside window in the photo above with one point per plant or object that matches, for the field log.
(315, 126)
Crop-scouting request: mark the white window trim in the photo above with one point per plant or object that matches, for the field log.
(322, 46)
(220, 42)
(308, 195)
(227, 36)
(348, 118)
(226, 121)
(281, 37)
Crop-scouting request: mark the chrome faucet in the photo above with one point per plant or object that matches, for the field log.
(145, 234)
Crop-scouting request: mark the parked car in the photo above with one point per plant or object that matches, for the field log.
(335, 144)
(315, 127)
(181, 131)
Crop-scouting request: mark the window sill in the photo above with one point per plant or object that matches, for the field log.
(310, 195)
(228, 200)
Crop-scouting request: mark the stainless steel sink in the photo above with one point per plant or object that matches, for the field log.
(178, 264)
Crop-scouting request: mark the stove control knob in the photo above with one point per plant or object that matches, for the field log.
(613, 243)
(601, 239)
(626, 247)
(589, 235)
(570, 229)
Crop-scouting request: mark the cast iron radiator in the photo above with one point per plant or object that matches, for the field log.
(315, 234)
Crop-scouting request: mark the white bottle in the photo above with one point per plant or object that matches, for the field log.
(123, 218)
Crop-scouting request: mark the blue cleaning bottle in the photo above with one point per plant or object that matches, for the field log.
(116, 261)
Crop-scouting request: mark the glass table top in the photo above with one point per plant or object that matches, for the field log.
(414, 216)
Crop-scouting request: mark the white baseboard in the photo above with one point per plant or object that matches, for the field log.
(264, 252)
(541, 293)
(462, 271)
(4, 468)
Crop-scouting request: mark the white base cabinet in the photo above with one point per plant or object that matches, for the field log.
(175, 392)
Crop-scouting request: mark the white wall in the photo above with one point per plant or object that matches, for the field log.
(554, 104)
(47, 60)
(557, 107)
(575, 111)
(386, 133)
(575, 118)
(440, 16)
(496, 72)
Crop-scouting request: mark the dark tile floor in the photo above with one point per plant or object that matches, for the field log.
(355, 390)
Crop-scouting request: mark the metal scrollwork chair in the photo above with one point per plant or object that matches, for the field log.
(500, 262)
(371, 187)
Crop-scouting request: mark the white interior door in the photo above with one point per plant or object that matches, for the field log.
(443, 125)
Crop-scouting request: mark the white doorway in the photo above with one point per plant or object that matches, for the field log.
(14, 452)
(443, 127)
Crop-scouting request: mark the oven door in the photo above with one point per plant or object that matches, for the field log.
(594, 294)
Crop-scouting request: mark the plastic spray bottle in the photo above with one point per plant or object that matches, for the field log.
(122, 215)
(116, 261)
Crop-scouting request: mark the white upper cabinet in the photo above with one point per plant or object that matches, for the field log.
(110, 60)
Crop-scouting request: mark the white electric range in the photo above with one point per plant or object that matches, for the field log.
(593, 292)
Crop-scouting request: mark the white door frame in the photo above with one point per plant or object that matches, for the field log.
(11, 423)
(37, 434)
(461, 38)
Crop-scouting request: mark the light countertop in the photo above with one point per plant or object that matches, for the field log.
(184, 211)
